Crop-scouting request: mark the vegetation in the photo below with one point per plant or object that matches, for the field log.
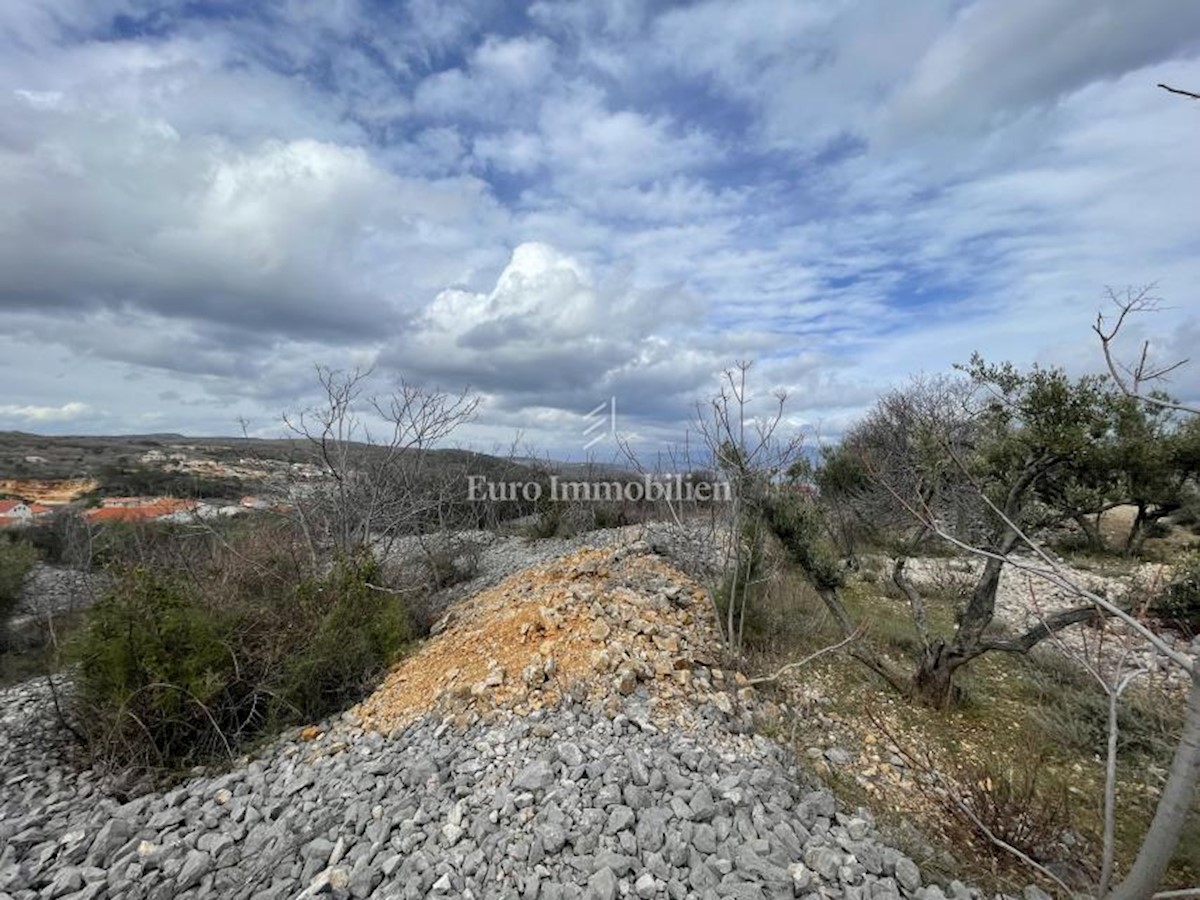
(16, 559)
(179, 665)
(1178, 604)
(215, 635)
(138, 480)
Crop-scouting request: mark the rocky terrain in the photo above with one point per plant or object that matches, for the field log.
(568, 733)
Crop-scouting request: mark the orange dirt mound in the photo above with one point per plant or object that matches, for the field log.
(594, 624)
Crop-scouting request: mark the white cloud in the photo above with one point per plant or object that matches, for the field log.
(299, 237)
(551, 333)
(844, 190)
(67, 411)
(494, 84)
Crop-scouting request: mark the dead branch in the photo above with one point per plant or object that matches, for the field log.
(926, 765)
(766, 679)
(1130, 380)
(1184, 93)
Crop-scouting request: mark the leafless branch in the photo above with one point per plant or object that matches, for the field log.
(1184, 93)
(1131, 380)
(783, 670)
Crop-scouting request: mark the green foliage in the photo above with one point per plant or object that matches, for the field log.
(799, 525)
(1179, 602)
(1039, 422)
(138, 480)
(1069, 708)
(180, 663)
(16, 559)
(359, 631)
(842, 472)
(154, 663)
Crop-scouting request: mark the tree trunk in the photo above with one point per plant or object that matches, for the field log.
(1091, 531)
(1161, 841)
(933, 682)
(1133, 543)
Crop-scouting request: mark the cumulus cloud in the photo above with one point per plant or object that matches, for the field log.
(550, 333)
(202, 206)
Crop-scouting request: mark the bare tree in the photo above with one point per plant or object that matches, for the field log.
(1162, 838)
(375, 482)
(749, 451)
(1133, 379)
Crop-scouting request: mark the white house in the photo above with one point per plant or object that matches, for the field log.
(15, 512)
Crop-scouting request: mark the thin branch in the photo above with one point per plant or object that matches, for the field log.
(853, 636)
(928, 765)
(1184, 93)
(1130, 380)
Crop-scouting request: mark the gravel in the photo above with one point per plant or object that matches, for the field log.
(565, 803)
(587, 799)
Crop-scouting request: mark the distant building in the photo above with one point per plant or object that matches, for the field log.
(14, 512)
(18, 512)
(140, 509)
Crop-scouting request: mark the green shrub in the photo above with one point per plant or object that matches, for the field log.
(800, 527)
(179, 664)
(359, 631)
(154, 666)
(16, 559)
(1071, 710)
(1178, 605)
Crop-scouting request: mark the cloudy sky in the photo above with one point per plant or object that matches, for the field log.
(559, 202)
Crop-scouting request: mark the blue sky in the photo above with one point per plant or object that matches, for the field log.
(559, 202)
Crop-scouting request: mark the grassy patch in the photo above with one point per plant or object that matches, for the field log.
(1028, 744)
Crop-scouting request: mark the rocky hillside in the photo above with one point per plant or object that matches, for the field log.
(568, 733)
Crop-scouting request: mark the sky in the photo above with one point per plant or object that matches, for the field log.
(559, 203)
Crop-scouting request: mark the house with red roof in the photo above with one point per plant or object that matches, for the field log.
(17, 512)
(138, 509)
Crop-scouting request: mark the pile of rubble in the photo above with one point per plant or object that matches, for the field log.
(593, 625)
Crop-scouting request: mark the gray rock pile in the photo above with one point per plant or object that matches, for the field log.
(563, 804)
(491, 557)
(593, 797)
(51, 591)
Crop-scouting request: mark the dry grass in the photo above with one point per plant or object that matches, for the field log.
(1022, 714)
